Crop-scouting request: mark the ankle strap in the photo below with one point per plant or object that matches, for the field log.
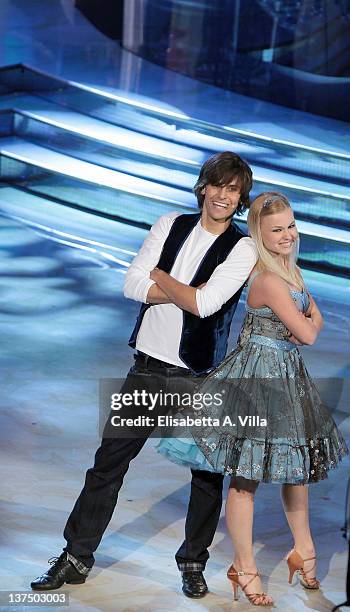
(301, 557)
(249, 581)
(242, 573)
(309, 559)
(309, 570)
(304, 571)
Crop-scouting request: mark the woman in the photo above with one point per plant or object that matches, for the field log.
(270, 424)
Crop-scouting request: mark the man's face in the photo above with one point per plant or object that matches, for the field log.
(221, 201)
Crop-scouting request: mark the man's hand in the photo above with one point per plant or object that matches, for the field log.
(155, 274)
(156, 295)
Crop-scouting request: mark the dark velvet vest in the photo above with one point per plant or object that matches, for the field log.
(203, 342)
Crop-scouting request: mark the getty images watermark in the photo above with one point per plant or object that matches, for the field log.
(152, 410)
(161, 399)
(196, 402)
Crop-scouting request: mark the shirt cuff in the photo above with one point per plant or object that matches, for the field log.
(200, 304)
(147, 287)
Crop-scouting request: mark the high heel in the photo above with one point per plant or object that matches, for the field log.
(256, 599)
(295, 563)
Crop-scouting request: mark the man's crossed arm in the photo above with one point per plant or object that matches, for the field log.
(168, 290)
(156, 295)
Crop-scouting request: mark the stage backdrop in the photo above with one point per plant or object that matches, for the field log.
(291, 52)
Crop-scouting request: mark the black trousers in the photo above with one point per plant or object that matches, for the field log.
(95, 505)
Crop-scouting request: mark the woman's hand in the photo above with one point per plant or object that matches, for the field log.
(313, 313)
(294, 340)
(312, 306)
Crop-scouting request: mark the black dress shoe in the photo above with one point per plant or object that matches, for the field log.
(193, 584)
(61, 571)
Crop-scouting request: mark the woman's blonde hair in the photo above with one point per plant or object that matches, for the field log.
(270, 203)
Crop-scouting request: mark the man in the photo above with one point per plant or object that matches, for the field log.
(188, 275)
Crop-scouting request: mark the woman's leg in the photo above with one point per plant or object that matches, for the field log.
(239, 519)
(296, 507)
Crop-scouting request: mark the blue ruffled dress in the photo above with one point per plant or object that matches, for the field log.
(279, 429)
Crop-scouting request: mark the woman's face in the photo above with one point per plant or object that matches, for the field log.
(279, 232)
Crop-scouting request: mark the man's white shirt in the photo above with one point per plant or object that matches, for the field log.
(161, 328)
